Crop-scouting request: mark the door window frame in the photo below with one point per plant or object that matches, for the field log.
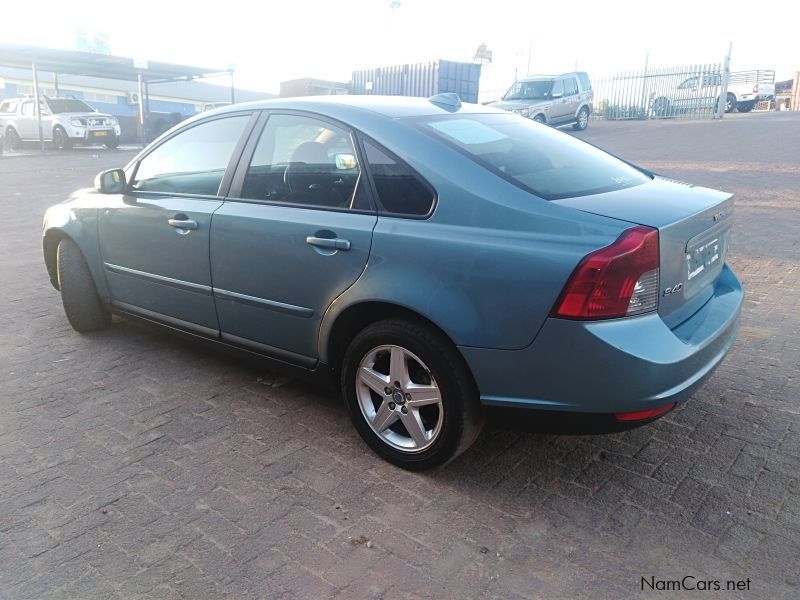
(132, 168)
(574, 86)
(237, 180)
(381, 209)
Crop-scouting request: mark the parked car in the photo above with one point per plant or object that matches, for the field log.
(213, 105)
(552, 99)
(65, 122)
(704, 91)
(438, 258)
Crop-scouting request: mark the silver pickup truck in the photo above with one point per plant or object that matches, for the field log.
(65, 122)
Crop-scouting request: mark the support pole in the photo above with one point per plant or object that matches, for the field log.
(233, 94)
(141, 107)
(55, 84)
(726, 75)
(37, 106)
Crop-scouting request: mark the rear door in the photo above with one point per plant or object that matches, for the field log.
(572, 99)
(294, 234)
(27, 122)
(154, 239)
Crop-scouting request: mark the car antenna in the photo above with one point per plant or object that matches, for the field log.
(446, 100)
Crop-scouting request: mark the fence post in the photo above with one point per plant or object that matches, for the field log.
(795, 104)
(726, 74)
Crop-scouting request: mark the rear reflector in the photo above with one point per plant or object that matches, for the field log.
(616, 281)
(641, 415)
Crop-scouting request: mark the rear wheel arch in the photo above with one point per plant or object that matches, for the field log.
(355, 318)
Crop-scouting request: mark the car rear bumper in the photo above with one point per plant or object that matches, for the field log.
(612, 366)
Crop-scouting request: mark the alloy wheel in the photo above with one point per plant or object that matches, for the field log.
(399, 398)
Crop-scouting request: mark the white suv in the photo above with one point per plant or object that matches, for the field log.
(65, 122)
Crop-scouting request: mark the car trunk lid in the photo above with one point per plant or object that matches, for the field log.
(694, 225)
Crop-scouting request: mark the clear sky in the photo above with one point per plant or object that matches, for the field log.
(273, 41)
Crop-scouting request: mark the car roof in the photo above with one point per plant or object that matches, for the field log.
(349, 106)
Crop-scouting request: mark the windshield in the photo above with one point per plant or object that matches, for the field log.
(537, 158)
(530, 90)
(67, 105)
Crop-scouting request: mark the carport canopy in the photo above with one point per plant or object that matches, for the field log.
(75, 62)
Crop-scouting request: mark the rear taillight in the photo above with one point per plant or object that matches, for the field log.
(616, 281)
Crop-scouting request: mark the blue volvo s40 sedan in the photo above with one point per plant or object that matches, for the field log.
(439, 258)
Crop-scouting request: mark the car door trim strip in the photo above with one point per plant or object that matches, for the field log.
(157, 317)
(291, 309)
(176, 283)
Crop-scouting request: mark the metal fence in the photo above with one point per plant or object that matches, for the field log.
(688, 92)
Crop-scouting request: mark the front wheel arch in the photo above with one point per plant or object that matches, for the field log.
(52, 238)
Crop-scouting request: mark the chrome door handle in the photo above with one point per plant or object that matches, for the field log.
(183, 223)
(333, 243)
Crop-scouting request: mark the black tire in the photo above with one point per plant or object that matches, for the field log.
(746, 107)
(461, 415)
(60, 139)
(112, 143)
(730, 103)
(83, 307)
(13, 140)
(583, 120)
(540, 118)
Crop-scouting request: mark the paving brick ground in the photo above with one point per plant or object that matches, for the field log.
(221, 479)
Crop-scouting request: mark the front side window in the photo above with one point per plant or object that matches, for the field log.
(530, 90)
(689, 84)
(399, 191)
(193, 161)
(541, 160)
(27, 109)
(306, 161)
(558, 88)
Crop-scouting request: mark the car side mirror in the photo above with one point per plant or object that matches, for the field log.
(557, 95)
(111, 182)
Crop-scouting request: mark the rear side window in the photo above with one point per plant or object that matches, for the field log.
(193, 161)
(586, 85)
(399, 190)
(541, 160)
(27, 109)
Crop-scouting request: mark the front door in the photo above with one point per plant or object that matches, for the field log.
(155, 238)
(558, 109)
(295, 234)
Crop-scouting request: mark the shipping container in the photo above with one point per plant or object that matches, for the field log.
(308, 86)
(420, 79)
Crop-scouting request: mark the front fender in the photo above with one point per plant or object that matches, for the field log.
(77, 220)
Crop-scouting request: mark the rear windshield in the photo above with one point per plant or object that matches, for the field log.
(537, 158)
